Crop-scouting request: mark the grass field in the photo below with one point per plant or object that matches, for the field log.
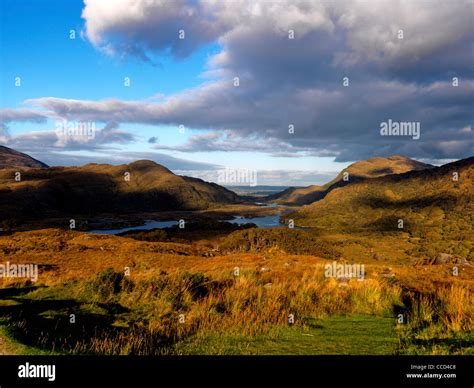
(103, 294)
(341, 334)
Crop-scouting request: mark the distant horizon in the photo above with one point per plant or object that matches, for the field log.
(211, 174)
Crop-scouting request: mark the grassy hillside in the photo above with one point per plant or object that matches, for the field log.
(437, 211)
(102, 188)
(222, 313)
(371, 168)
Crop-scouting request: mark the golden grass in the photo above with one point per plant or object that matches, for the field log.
(457, 308)
(163, 286)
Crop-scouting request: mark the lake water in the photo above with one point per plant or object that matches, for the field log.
(271, 221)
(258, 190)
(149, 224)
(262, 222)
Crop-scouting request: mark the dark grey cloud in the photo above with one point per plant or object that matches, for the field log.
(230, 141)
(130, 27)
(70, 136)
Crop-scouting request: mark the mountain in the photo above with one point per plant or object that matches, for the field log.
(141, 186)
(371, 168)
(10, 158)
(432, 204)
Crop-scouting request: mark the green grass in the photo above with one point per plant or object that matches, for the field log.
(436, 340)
(8, 346)
(46, 312)
(350, 334)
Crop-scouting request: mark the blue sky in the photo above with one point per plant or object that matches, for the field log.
(190, 82)
(50, 63)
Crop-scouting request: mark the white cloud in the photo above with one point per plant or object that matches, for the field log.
(268, 177)
(371, 28)
(68, 138)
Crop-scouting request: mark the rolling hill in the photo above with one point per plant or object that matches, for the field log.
(436, 209)
(371, 168)
(141, 186)
(10, 158)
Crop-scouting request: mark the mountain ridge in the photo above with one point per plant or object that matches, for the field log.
(438, 198)
(11, 158)
(140, 186)
(364, 169)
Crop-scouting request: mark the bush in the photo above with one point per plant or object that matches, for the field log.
(107, 284)
(195, 283)
(297, 242)
(9, 225)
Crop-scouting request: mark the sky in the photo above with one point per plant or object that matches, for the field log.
(294, 90)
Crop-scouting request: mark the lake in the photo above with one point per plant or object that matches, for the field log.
(149, 224)
(271, 221)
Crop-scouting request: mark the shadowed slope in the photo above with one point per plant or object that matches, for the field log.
(102, 188)
(10, 158)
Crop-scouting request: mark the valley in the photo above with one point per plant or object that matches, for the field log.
(238, 275)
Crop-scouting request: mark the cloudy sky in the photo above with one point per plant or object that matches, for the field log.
(294, 89)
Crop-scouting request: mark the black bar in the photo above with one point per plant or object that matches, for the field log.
(191, 371)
